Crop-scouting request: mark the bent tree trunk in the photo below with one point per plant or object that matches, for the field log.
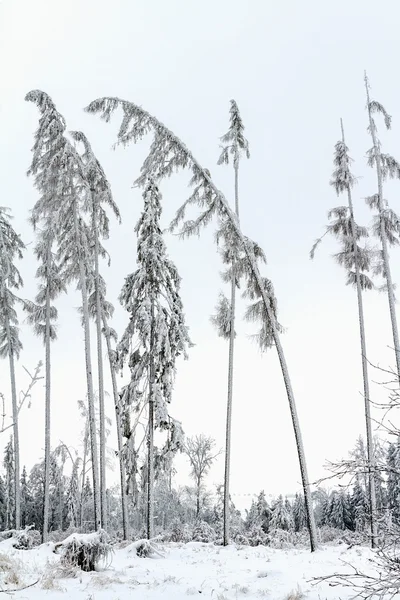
(282, 360)
(383, 237)
(124, 499)
(367, 402)
(17, 484)
(195, 166)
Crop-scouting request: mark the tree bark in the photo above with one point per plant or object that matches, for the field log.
(17, 482)
(124, 499)
(46, 504)
(103, 487)
(230, 383)
(90, 392)
(367, 402)
(384, 242)
(84, 461)
(150, 439)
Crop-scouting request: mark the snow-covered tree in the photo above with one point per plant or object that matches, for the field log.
(72, 499)
(156, 334)
(359, 505)
(386, 222)
(281, 517)
(67, 200)
(393, 479)
(201, 453)
(98, 199)
(11, 248)
(9, 467)
(340, 510)
(49, 140)
(167, 155)
(357, 262)
(234, 145)
(299, 513)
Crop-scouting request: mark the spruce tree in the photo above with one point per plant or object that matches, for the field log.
(9, 466)
(11, 247)
(151, 297)
(281, 517)
(299, 513)
(167, 155)
(99, 197)
(357, 262)
(49, 141)
(360, 506)
(64, 201)
(386, 222)
(234, 145)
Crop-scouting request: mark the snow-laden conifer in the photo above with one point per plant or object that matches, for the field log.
(156, 334)
(11, 248)
(97, 200)
(234, 145)
(68, 196)
(386, 224)
(167, 155)
(357, 261)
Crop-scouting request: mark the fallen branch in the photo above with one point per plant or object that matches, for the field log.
(19, 589)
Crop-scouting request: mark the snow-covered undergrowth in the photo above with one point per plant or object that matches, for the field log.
(182, 571)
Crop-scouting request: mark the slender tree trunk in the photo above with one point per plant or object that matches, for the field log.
(124, 499)
(384, 242)
(17, 482)
(150, 439)
(84, 461)
(103, 487)
(198, 490)
(46, 505)
(230, 382)
(367, 402)
(61, 502)
(282, 360)
(90, 391)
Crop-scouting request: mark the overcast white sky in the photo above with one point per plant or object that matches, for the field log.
(294, 68)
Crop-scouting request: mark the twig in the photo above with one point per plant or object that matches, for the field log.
(19, 589)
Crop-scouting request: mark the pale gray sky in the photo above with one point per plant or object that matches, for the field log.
(294, 68)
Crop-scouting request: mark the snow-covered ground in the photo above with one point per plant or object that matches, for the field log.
(194, 569)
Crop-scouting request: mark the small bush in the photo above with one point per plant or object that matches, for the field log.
(84, 550)
(26, 539)
(203, 532)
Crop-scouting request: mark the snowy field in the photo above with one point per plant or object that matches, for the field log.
(193, 569)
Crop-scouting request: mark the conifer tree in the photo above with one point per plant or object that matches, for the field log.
(386, 223)
(9, 466)
(151, 296)
(11, 247)
(264, 512)
(299, 513)
(68, 199)
(360, 506)
(167, 155)
(235, 145)
(99, 196)
(42, 315)
(281, 517)
(357, 262)
(49, 140)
